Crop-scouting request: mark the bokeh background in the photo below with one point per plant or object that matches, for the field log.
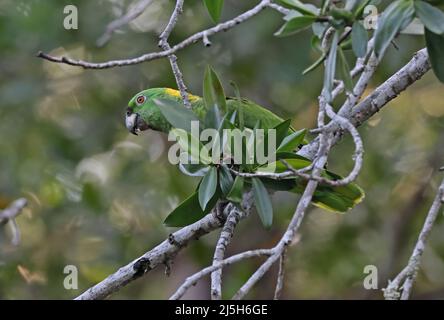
(98, 195)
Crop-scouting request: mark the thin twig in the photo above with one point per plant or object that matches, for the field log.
(163, 43)
(404, 280)
(131, 14)
(10, 214)
(281, 275)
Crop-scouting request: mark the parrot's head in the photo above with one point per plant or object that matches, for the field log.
(142, 113)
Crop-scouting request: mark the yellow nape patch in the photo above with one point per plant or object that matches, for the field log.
(176, 93)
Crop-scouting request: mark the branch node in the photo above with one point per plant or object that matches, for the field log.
(168, 262)
(172, 240)
(206, 40)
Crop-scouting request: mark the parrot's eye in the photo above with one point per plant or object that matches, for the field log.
(140, 100)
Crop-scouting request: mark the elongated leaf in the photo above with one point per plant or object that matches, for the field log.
(292, 141)
(262, 202)
(281, 131)
(279, 166)
(316, 64)
(344, 71)
(176, 114)
(240, 110)
(279, 185)
(435, 47)
(189, 211)
(416, 27)
(304, 8)
(295, 25)
(341, 14)
(214, 8)
(236, 192)
(207, 187)
(432, 17)
(213, 92)
(394, 18)
(319, 29)
(359, 39)
(225, 180)
(213, 118)
(330, 67)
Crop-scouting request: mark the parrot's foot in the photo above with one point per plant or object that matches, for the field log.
(218, 211)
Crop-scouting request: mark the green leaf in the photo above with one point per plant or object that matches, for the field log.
(240, 110)
(435, 47)
(213, 92)
(279, 166)
(262, 202)
(342, 14)
(316, 64)
(191, 145)
(213, 118)
(295, 25)
(236, 192)
(207, 187)
(292, 141)
(316, 43)
(344, 71)
(225, 179)
(330, 67)
(432, 17)
(359, 39)
(281, 131)
(324, 5)
(319, 29)
(189, 211)
(214, 8)
(279, 185)
(176, 114)
(394, 18)
(304, 8)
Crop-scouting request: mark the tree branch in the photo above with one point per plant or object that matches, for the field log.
(165, 53)
(165, 251)
(192, 280)
(219, 253)
(380, 97)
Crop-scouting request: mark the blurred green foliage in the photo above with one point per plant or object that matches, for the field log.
(98, 195)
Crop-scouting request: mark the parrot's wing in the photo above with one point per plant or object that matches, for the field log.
(253, 113)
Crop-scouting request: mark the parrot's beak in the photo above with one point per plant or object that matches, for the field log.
(134, 123)
(131, 122)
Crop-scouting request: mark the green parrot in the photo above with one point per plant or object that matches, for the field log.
(143, 113)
